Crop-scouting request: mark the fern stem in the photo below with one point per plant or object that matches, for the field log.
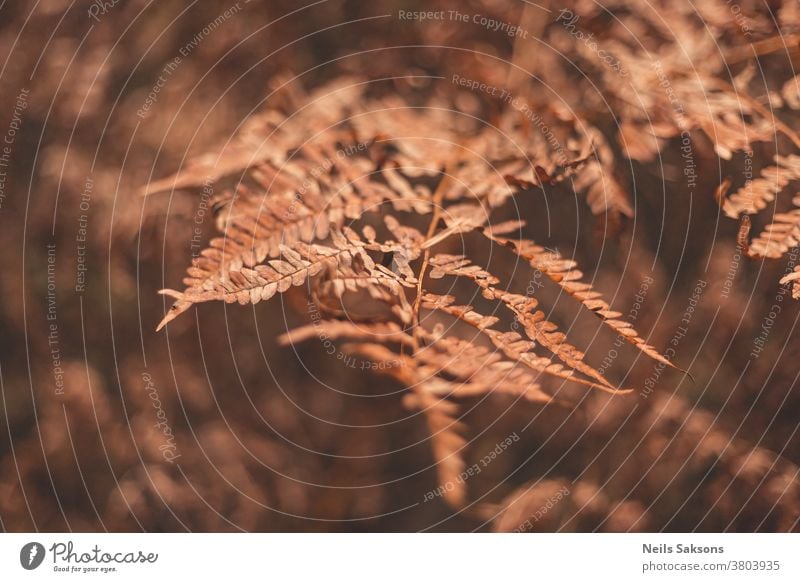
(438, 196)
(763, 47)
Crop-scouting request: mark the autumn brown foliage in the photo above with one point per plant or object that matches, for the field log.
(433, 237)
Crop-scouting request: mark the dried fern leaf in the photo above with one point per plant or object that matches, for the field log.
(534, 321)
(263, 281)
(756, 195)
(365, 291)
(604, 194)
(564, 273)
(259, 227)
(643, 103)
(301, 179)
(406, 248)
(794, 279)
(465, 369)
(546, 333)
(444, 366)
(791, 92)
(510, 343)
(779, 237)
(638, 142)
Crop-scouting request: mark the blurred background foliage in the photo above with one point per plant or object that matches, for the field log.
(272, 439)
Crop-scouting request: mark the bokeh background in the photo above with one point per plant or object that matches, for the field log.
(266, 438)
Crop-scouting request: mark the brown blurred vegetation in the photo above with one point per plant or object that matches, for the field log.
(265, 443)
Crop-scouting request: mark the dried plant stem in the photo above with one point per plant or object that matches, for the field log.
(763, 47)
(438, 196)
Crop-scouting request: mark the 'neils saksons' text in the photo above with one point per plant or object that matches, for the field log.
(681, 549)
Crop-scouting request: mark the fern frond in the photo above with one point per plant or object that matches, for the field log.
(604, 194)
(260, 283)
(791, 92)
(779, 237)
(794, 279)
(783, 233)
(467, 369)
(259, 228)
(564, 273)
(756, 195)
(510, 343)
(533, 320)
(308, 184)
